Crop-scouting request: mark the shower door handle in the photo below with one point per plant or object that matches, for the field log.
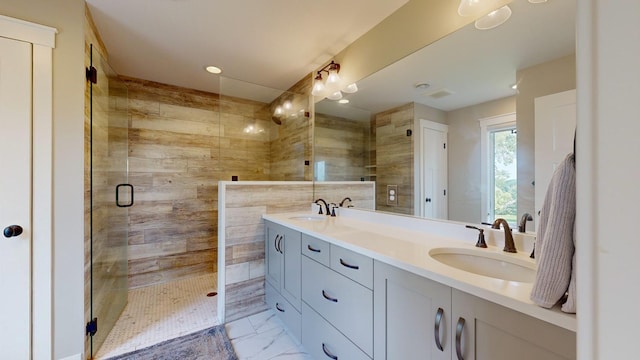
(118, 195)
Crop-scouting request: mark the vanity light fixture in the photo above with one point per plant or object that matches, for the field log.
(332, 87)
(343, 101)
(488, 12)
(477, 7)
(537, 1)
(494, 18)
(213, 69)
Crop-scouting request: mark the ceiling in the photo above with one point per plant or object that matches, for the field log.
(272, 43)
(474, 66)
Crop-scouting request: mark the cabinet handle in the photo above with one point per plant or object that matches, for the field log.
(439, 314)
(279, 308)
(324, 293)
(459, 329)
(312, 249)
(354, 267)
(326, 352)
(275, 243)
(279, 244)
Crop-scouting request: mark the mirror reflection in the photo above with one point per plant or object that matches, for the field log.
(449, 129)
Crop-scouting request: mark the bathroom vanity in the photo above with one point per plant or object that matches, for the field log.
(366, 285)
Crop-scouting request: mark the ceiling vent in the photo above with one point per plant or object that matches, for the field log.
(438, 94)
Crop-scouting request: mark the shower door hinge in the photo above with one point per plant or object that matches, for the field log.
(92, 327)
(92, 74)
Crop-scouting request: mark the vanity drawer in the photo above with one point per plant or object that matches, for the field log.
(352, 265)
(323, 341)
(316, 249)
(344, 303)
(284, 310)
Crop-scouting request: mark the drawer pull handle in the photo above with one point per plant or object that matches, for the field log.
(324, 293)
(279, 308)
(329, 354)
(439, 314)
(354, 267)
(275, 243)
(312, 249)
(459, 329)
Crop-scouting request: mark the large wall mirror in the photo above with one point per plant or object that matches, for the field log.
(459, 91)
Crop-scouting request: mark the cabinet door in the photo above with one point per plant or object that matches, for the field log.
(490, 331)
(273, 257)
(291, 278)
(408, 309)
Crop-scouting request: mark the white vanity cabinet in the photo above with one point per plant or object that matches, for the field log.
(412, 316)
(337, 313)
(484, 330)
(417, 318)
(282, 274)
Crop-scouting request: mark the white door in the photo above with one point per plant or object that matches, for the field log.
(15, 198)
(555, 126)
(434, 170)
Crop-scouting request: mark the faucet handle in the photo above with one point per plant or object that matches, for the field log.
(480, 243)
(333, 209)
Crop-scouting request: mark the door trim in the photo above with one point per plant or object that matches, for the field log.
(43, 40)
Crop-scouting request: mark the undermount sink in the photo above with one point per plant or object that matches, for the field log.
(486, 263)
(308, 217)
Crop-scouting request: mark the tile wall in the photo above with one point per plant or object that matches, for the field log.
(243, 227)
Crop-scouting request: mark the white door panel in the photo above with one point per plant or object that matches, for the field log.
(555, 126)
(15, 198)
(433, 176)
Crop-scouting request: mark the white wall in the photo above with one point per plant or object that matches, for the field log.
(608, 170)
(465, 190)
(68, 162)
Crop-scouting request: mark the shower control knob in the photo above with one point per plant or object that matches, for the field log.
(12, 230)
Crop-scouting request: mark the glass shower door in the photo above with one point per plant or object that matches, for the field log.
(111, 195)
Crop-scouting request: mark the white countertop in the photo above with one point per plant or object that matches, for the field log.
(405, 243)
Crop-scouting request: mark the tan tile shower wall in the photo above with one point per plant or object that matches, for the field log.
(243, 227)
(394, 157)
(341, 144)
(181, 143)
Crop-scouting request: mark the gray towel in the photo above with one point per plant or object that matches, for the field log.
(555, 243)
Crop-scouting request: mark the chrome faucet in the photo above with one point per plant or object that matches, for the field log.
(343, 201)
(523, 222)
(326, 206)
(509, 245)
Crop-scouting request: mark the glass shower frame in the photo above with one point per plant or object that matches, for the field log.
(110, 197)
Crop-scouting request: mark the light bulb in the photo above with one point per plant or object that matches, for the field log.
(351, 88)
(318, 88)
(494, 18)
(333, 81)
(287, 105)
(335, 96)
(278, 111)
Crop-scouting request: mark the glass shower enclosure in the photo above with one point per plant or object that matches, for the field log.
(110, 197)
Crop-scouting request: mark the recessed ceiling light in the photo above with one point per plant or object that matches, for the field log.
(213, 69)
(343, 101)
(514, 86)
(422, 86)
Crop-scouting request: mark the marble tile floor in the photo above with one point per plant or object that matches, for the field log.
(263, 336)
(161, 312)
(157, 313)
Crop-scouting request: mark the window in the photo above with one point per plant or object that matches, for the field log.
(499, 169)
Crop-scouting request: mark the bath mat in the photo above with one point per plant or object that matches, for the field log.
(212, 344)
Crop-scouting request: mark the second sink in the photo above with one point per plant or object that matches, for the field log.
(486, 263)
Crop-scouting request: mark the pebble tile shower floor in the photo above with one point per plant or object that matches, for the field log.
(161, 312)
(157, 313)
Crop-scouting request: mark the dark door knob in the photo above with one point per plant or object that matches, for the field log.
(428, 199)
(12, 230)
